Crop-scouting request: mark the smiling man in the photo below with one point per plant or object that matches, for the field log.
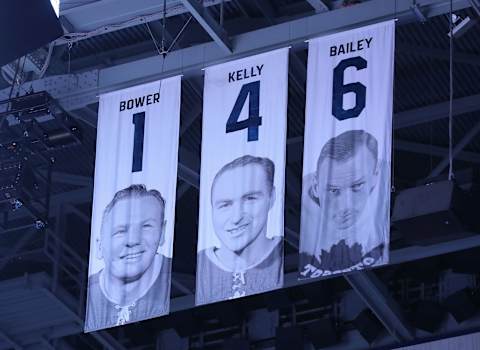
(135, 281)
(247, 261)
(338, 216)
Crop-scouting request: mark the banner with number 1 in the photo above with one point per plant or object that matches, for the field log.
(240, 239)
(345, 219)
(133, 204)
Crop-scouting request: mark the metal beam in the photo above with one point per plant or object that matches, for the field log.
(181, 287)
(189, 118)
(19, 244)
(100, 17)
(190, 61)
(182, 190)
(17, 228)
(436, 151)
(189, 167)
(115, 56)
(46, 344)
(476, 6)
(291, 237)
(456, 150)
(71, 179)
(318, 5)
(267, 9)
(10, 341)
(376, 296)
(437, 54)
(109, 342)
(103, 337)
(89, 120)
(294, 149)
(81, 215)
(203, 17)
(67, 26)
(437, 111)
(195, 111)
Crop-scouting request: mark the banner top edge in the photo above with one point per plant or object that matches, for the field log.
(285, 48)
(364, 27)
(113, 92)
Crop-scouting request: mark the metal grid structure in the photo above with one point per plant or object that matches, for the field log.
(109, 44)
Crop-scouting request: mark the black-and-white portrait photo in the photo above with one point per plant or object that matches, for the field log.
(242, 178)
(134, 283)
(341, 230)
(249, 260)
(133, 211)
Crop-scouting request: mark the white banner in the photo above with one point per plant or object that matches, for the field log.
(133, 204)
(240, 239)
(345, 222)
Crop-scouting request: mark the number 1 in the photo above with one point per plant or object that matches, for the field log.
(138, 135)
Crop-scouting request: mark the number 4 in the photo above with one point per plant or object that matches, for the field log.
(251, 90)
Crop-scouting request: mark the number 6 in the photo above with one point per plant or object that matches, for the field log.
(340, 89)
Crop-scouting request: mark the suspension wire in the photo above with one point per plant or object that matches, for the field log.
(154, 40)
(392, 174)
(69, 46)
(221, 13)
(164, 21)
(180, 33)
(450, 111)
(392, 179)
(161, 49)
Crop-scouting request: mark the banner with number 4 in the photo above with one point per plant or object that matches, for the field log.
(240, 239)
(133, 204)
(345, 219)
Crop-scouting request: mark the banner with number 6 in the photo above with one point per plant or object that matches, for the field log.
(240, 239)
(133, 204)
(345, 219)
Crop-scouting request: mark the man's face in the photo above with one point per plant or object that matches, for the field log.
(343, 187)
(130, 237)
(241, 199)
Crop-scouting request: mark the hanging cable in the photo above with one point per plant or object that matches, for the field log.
(161, 50)
(160, 53)
(392, 144)
(450, 111)
(69, 46)
(221, 14)
(164, 21)
(180, 33)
